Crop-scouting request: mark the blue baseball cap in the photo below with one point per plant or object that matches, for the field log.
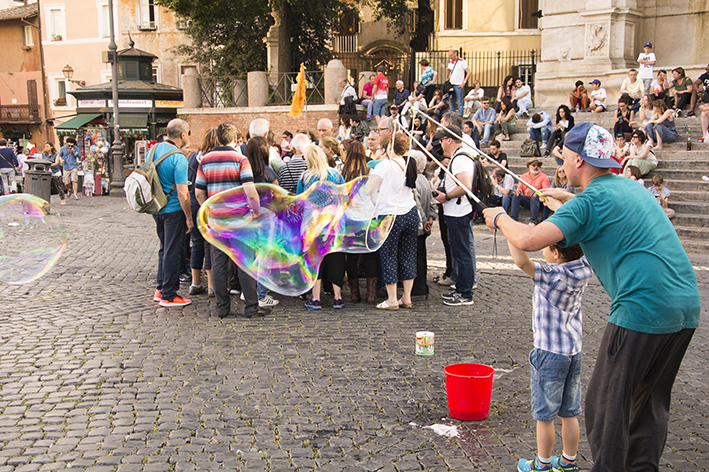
(648, 45)
(593, 143)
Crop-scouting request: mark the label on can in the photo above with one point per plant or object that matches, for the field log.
(424, 343)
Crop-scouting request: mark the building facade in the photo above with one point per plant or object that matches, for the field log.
(587, 39)
(23, 108)
(158, 31)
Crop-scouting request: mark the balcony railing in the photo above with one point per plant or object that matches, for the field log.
(19, 114)
(344, 43)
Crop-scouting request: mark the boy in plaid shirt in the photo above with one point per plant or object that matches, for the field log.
(555, 360)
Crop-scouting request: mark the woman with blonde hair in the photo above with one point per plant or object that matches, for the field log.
(560, 180)
(396, 197)
(332, 267)
(333, 151)
(201, 257)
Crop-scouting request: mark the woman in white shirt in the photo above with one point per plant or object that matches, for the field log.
(396, 197)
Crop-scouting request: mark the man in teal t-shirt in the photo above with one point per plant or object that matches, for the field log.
(175, 218)
(636, 254)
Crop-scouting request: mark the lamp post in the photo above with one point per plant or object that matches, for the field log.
(68, 72)
(119, 177)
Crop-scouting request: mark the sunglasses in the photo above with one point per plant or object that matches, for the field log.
(379, 130)
(533, 165)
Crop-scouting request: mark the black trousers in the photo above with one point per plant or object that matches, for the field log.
(369, 261)
(444, 238)
(220, 281)
(420, 286)
(628, 398)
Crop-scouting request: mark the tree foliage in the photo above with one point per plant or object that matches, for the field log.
(228, 35)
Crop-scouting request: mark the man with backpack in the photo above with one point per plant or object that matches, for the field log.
(458, 212)
(175, 218)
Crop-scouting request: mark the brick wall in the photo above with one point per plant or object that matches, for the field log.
(201, 119)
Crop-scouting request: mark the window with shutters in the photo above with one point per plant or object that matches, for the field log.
(56, 23)
(528, 18)
(453, 14)
(148, 15)
(104, 24)
(29, 36)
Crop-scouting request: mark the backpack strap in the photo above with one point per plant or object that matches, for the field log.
(151, 157)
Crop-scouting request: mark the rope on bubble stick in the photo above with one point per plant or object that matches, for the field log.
(444, 169)
(480, 153)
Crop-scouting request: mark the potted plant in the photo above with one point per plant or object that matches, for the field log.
(60, 102)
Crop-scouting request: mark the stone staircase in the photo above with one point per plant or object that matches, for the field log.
(682, 171)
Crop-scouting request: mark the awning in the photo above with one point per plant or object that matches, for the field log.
(131, 121)
(78, 121)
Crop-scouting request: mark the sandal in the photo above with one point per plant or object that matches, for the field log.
(385, 306)
(408, 306)
(436, 279)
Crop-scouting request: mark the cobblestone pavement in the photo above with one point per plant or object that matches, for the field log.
(95, 376)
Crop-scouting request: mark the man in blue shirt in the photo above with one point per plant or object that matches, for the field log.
(70, 157)
(175, 218)
(638, 257)
(484, 121)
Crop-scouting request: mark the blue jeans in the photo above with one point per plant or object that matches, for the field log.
(261, 291)
(540, 134)
(532, 204)
(555, 385)
(380, 107)
(368, 103)
(505, 201)
(454, 264)
(462, 252)
(487, 130)
(457, 99)
(171, 228)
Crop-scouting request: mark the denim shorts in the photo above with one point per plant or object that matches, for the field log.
(555, 384)
(380, 107)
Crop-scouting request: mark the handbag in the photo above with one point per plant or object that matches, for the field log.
(447, 86)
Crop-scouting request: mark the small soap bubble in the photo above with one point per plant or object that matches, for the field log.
(32, 236)
(284, 246)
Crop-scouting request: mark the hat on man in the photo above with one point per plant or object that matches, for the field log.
(648, 45)
(595, 81)
(593, 143)
(533, 160)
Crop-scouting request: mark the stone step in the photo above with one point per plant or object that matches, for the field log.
(687, 219)
(681, 174)
(695, 246)
(687, 185)
(682, 164)
(690, 208)
(693, 233)
(687, 196)
(698, 151)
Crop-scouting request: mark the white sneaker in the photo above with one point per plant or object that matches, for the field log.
(543, 146)
(268, 301)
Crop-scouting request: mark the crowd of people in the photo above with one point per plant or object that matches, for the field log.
(400, 174)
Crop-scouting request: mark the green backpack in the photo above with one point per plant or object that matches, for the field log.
(143, 187)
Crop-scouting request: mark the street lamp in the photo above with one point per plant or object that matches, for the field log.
(119, 177)
(68, 72)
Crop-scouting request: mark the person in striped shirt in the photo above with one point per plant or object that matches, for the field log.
(290, 173)
(555, 360)
(222, 169)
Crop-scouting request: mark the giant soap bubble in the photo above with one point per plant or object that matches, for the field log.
(32, 236)
(283, 247)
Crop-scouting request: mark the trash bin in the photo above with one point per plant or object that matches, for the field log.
(38, 179)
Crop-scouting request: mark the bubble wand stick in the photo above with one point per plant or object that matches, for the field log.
(443, 168)
(476, 149)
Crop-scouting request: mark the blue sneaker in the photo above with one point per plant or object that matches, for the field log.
(313, 304)
(560, 465)
(338, 303)
(529, 466)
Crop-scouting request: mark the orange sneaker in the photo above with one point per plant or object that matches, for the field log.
(157, 296)
(177, 301)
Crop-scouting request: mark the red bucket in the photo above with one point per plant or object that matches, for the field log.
(469, 389)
